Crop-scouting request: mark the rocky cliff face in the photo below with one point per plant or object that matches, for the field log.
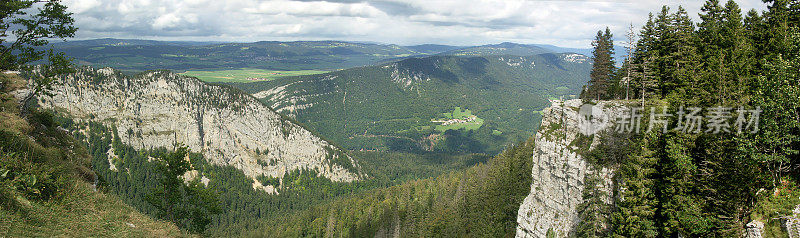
(158, 109)
(559, 170)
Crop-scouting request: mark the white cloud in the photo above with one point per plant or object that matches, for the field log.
(166, 21)
(81, 6)
(314, 9)
(459, 22)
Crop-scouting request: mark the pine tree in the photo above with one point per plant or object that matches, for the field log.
(708, 30)
(709, 34)
(681, 207)
(593, 211)
(188, 206)
(738, 53)
(636, 205)
(600, 79)
(681, 65)
(644, 60)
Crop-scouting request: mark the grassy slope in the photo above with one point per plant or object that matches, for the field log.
(245, 75)
(458, 114)
(64, 202)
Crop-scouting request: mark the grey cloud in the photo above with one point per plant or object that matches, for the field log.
(396, 8)
(467, 22)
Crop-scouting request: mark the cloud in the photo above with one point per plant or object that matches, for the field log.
(315, 9)
(458, 22)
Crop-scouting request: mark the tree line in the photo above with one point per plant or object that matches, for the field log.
(678, 184)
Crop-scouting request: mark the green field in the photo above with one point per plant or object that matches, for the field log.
(458, 114)
(246, 75)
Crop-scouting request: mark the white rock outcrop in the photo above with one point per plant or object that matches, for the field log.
(559, 170)
(792, 223)
(159, 108)
(754, 229)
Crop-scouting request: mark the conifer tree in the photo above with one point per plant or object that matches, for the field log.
(603, 68)
(190, 205)
(635, 211)
(593, 211)
(644, 60)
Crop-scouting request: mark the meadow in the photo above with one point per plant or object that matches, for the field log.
(458, 114)
(245, 75)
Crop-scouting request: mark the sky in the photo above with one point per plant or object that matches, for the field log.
(571, 23)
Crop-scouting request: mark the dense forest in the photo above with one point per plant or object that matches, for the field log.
(480, 201)
(680, 183)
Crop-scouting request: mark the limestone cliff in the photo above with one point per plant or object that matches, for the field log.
(159, 108)
(559, 170)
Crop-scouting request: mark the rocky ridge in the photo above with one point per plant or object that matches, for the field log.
(159, 108)
(559, 170)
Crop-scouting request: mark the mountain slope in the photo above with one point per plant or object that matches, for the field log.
(46, 184)
(400, 105)
(158, 109)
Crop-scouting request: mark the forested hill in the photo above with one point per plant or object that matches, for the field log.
(141, 55)
(505, 48)
(416, 104)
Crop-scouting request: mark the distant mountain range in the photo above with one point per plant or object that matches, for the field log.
(141, 55)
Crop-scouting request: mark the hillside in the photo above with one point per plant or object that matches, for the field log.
(400, 105)
(46, 182)
(158, 109)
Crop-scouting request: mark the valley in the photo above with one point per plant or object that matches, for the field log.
(399, 119)
(391, 106)
(402, 118)
(268, 154)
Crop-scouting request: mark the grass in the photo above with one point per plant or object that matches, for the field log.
(245, 75)
(458, 114)
(81, 212)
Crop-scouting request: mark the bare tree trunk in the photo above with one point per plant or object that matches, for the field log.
(630, 45)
